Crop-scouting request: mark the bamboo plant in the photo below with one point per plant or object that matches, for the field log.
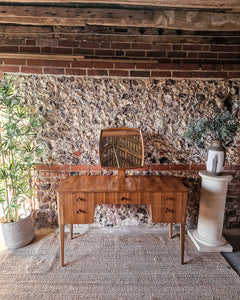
(18, 151)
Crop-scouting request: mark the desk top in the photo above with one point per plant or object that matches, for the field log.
(106, 183)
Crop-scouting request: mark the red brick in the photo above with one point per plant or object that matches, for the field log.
(16, 42)
(159, 167)
(95, 168)
(89, 45)
(176, 54)
(233, 75)
(139, 73)
(192, 55)
(59, 167)
(211, 67)
(231, 67)
(135, 53)
(9, 49)
(182, 74)
(32, 70)
(147, 66)
(46, 50)
(44, 174)
(62, 50)
(196, 167)
(103, 65)
(144, 168)
(31, 42)
(120, 73)
(82, 64)
(176, 47)
(180, 167)
(220, 75)
(68, 43)
(95, 72)
(79, 168)
(141, 46)
(37, 62)
(53, 71)
(30, 49)
(123, 65)
(83, 51)
(76, 72)
(41, 167)
(189, 66)
(105, 45)
(105, 52)
(156, 54)
(167, 66)
(120, 45)
(207, 55)
(203, 74)
(221, 48)
(14, 61)
(160, 74)
(59, 63)
(192, 47)
(229, 56)
(9, 69)
(77, 153)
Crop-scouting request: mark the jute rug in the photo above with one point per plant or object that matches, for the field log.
(107, 264)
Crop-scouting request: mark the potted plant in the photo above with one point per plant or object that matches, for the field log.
(221, 129)
(18, 153)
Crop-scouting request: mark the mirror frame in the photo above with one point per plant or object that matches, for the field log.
(118, 132)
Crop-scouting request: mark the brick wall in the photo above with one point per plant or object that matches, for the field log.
(123, 53)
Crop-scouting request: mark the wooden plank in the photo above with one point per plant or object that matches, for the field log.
(69, 58)
(230, 5)
(159, 18)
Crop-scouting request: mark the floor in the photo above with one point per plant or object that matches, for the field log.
(233, 258)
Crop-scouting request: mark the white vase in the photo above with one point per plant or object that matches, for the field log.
(215, 158)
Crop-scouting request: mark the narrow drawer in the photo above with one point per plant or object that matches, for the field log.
(83, 198)
(83, 214)
(166, 213)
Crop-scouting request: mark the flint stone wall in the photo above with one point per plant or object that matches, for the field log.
(73, 110)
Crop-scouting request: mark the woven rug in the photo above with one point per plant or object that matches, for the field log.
(107, 264)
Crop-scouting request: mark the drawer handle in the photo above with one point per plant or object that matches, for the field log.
(166, 210)
(166, 198)
(123, 198)
(79, 199)
(79, 211)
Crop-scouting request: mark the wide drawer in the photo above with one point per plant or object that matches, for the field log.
(122, 198)
(166, 213)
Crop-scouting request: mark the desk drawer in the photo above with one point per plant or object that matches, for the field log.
(167, 198)
(122, 198)
(166, 214)
(83, 214)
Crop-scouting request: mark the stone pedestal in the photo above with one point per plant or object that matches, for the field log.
(208, 236)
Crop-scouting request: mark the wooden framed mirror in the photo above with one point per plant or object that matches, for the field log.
(121, 148)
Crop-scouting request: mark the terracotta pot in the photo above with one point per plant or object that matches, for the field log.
(18, 234)
(215, 158)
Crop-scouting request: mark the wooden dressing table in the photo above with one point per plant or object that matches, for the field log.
(165, 197)
(120, 149)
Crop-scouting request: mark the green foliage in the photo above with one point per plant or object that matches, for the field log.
(223, 126)
(18, 151)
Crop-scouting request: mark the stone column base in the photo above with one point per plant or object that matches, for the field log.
(225, 247)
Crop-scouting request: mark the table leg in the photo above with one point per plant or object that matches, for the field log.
(182, 238)
(71, 231)
(170, 230)
(61, 231)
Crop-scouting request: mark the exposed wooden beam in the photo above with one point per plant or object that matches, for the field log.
(226, 5)
(160, 18)
(69, 58)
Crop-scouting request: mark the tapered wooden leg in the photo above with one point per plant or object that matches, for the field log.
(170, 230)
(61, 231)
(182, 238)
(71, 231)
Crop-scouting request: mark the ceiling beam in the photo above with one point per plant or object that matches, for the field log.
(159, 18)
(229, 5)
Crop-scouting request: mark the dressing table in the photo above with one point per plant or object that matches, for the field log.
(121, 148)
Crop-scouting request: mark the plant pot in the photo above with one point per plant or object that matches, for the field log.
(215, 158)
(18, 234)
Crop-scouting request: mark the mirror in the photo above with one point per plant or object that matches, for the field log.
(121, 148)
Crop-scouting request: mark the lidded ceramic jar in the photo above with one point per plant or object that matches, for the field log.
(215, 158)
